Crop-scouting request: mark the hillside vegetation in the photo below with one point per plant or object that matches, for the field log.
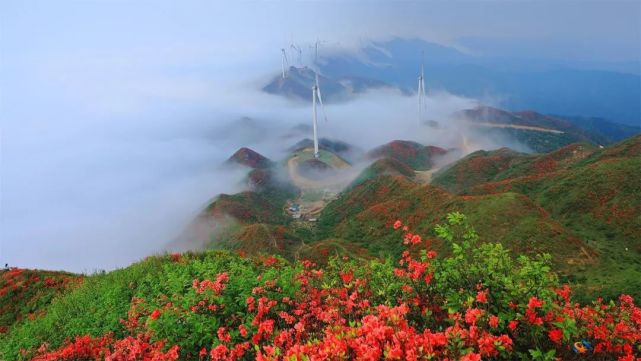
(25, 293)
(593, 193)
(579, 203)
(412, 154)
(544, 133)
(477, 302)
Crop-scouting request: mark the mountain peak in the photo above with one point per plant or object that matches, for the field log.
(410, 153)
(249, 158)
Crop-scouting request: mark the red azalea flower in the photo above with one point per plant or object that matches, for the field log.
(471, 357)
(494, 321)
(472, 314)
(219, 352)
(155, 314)
(556, 335)
(223, 335)
(534, 303)
(243, 330)
(481, 296)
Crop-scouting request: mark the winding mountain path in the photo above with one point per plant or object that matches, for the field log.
(515, 126)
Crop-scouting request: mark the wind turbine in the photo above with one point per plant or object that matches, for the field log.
(284, 62)
(316, 94)
(315, 47)
(299, 51)
(421, 93)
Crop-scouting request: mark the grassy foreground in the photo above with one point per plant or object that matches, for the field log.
(478, 302)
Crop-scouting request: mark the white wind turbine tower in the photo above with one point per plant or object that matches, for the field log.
(421, 93)
(315, 48)
(316, 94)
(284, 62)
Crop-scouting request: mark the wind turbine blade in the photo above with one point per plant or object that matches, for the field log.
(421, 94)
(282, 63)
(314, 122)
(320, 98)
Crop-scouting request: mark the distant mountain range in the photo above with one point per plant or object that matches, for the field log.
(544, 133)
(573, 90)
(298, 82)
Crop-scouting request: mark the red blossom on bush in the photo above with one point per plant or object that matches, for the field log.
(216, 286)
(493, 321)
(107, 348)
(223, 335)
(481, 296)
(155, 314)
(555, 335)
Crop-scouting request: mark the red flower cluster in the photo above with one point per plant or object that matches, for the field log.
(34, 288)
(107, 348)
(155, 314)
(216, 286)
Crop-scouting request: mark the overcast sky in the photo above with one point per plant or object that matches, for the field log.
(588, 30)
(103, 104)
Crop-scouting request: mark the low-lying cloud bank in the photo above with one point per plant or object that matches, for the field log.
(105, 161)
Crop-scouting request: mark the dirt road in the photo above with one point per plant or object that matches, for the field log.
(515, 126)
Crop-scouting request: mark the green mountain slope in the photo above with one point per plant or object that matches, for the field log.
(594, 193)
(363, 215)
(412, 154)
(25, 294)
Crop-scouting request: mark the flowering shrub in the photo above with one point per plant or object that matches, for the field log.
(475, 303)
(106, 348)
(25, 293)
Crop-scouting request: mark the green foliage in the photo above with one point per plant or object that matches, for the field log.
(27, 293)
(98, 305)
(539, 142)
(384, 166)
(411, 154)
(95, 308)
(539, 355)
(473, 265)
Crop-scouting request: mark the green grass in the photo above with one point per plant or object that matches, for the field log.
(595, 194)
(251, 207)
(539, 142)
(96, 307)
(476, 168)
(312, 195)
(383, 166)
(411, 154)
(324, 156)
(27, 293)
